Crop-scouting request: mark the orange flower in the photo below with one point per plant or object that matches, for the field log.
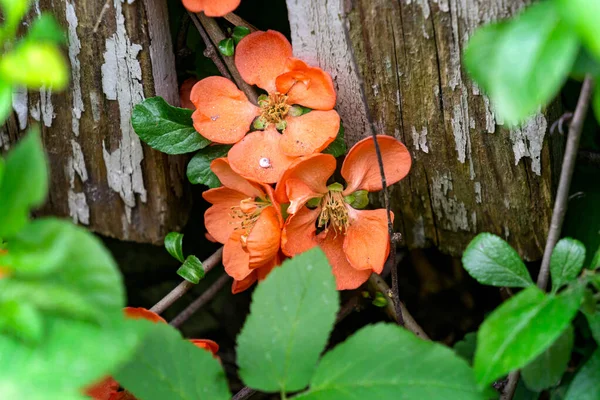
(247, 220)
(356, 242)
(225, 115)
(108, 388)
(212, 8)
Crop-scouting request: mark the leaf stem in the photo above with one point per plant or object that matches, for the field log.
(244, 394)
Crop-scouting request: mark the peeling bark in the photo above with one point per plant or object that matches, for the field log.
(470, 173)
(102, 176)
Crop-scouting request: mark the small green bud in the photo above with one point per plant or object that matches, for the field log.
(366, 294)
(380, 300)
(314, 202)
(336, 187)
(263, 100)
(239, 32)
(358, 199)
(281, 125)
(192, 270)
(259, 124)
(226, 47)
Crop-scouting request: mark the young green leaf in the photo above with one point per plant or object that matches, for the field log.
(582, 16)
(167, 367)
(521, 329)
(198, 169)
(174, 245)
(378, 362)
(338, 147)
(192, 270)
(25, 163)
(72, 355)
(35, 64)
(291, 316)
(46, 29)
(491, 261)
(239, 32)
(515, 62)
(546, 369)
(226, 47)
(566, 261)
(5, 101)
(166, 128)
(586, 385)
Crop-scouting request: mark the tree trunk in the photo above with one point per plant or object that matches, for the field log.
(102, 175)
(470, 173)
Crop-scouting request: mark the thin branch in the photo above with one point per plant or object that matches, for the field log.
(244, 394)
(566, 175)
(239, 21)
(197, 304)
(211, 50)
(105, 8)
(184, 286)
(216, 35)
(511, 386)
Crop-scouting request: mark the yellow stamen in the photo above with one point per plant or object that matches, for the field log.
(274, 108)
(334, 213)
(248, 212)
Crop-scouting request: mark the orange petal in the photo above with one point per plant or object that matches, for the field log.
(309, 133)
(218, 219)
(236, 260)
(308, 86)
(264, 239)
(265, 270)
(244, 284)
(103, 390)
(299, 232)
(305, 179)
(231, 179)
(261, 57)
(212, 8)
(361, 168)
(223, 113)
(206, 344)
(346, 277)
(209, 237)
(367, 239)
(185, 92)
(142, 313)
(258, 156)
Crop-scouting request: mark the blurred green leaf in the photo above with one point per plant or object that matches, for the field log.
(593, 319)
(520, 329)
(25, 163)
(13, 11)
(21, 318)
(585, 64)
(491, 261)
(34, 65)
(192, 270)
(596, 260)
(166, 128)
(386, 362)
(73, 355)
(198, 169)
(465, 348)
(292, 314)
(566, 262)
(583, 17)
(338, 147)
(240, 32)
(546, 369)
(5, 101)
(586, 385)
(174, 245)
(167, 367)
(45, 28)
(516, 63)
(226, 47)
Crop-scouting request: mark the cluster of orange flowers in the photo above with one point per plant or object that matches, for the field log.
(275, 201)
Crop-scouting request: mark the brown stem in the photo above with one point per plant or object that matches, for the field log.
(511, 386)
(184, 286)
(211, 50)
(216, 35)
(239, 21)
(197, 304)
(244, 394)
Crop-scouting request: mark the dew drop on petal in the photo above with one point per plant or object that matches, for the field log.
(264, 162)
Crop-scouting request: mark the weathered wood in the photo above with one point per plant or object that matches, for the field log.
(102, 175)
(470, 173)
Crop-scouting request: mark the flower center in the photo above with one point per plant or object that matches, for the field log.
(246, 214)
(274, 109)
(333, 213)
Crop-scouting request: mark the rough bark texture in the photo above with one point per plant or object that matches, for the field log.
(102, 175)
(470, 173)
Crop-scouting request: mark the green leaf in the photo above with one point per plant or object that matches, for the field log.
(338, 146)
(466, 348)
(34, 65)
(174, 245)
(594, 323)
(596, 260)
(25, 163)
(167, 367)
(582, 16)
(491, 261)
(72, 355)
(515, 62)
(45, 28)
(192, 270)
(83, 281)
(521, 329)
(13, 11)
(386, 362)
(226, 47)
(547, 369)
(21, 318)
(240, 32)
(586, 385)
(198, 169)
(5, 101)
(166, 128)
(291, 316)
(585, 64)
(566, 262)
